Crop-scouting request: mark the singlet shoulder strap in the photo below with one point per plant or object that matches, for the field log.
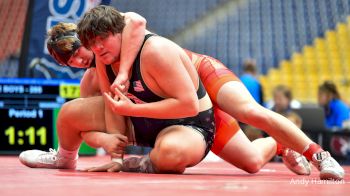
(136, 64)
(143, 43)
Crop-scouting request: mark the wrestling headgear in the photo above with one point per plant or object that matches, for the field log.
(63, 46)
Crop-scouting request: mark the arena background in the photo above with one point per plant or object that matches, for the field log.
(299, 43)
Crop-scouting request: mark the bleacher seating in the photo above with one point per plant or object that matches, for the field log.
(272, 30)
(299, 43)
(166, 17)
(326, 58)
(12, 19)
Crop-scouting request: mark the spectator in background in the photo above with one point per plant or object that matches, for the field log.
(252, 132)
(335, 109)
(283, 100)
(294, 118)
(250, 80)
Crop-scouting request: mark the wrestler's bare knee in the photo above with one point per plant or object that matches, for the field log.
(173, 153)
(253, 164)
(68, 111)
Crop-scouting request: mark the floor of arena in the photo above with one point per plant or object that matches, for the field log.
(207, 178)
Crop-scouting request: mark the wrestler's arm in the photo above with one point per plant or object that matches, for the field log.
(114, 144)
(113, 121)
(89, 86)
(111, 141)
(132, 38)
(164, 64)
(107, 141)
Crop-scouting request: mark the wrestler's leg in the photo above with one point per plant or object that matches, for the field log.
(232, 97)
(214, 75)
(89, 84)
(79, 115)
(225, 90)
(280, 128)
(75, 117)
(176, 148)
(232, 145)
(248, 111)
(89, 87)
(246, 155)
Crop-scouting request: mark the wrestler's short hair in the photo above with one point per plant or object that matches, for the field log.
(99, 21)
(62, 42)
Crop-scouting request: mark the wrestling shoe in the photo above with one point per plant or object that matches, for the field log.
(138, 165)
(329, 168)
(296, 162)
(50, 160)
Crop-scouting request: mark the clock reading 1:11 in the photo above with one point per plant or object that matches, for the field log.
(31, 134)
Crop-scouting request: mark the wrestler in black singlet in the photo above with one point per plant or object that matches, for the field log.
(147, 129)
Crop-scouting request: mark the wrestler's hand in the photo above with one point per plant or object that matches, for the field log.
(121, 82)
(120, 104)
(114, 144)
(109, 167)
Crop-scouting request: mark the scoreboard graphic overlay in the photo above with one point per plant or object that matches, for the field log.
(28, 113)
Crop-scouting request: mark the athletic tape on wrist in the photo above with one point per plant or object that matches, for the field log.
(118, 160)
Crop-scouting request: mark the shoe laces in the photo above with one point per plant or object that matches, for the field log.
(322, 160)
(48, 157)
(327, 162)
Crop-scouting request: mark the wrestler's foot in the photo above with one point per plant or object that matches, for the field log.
(329, 168)
(138, 164)
(296, 162)
(50, 160)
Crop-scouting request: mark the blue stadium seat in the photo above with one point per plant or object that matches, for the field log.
(166, 17)
(268, 31)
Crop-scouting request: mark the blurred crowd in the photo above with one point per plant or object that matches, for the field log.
(336, 111)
